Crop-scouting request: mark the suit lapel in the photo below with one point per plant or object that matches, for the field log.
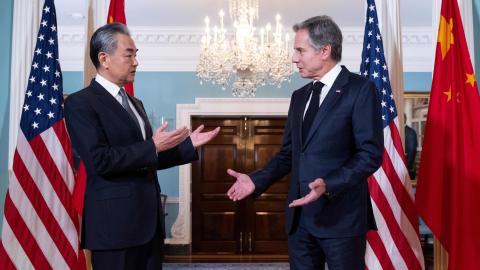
(112, 104)
(143, 115)
(328, 103)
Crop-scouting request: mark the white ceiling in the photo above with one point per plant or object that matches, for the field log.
(190, 13)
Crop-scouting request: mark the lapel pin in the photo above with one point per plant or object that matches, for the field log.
(338, 91)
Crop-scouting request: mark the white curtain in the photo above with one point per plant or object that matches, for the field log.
(26, 20)
(96, 16)
(392, 42)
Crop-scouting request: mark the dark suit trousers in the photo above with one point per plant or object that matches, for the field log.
(308, 252)
(148, 256)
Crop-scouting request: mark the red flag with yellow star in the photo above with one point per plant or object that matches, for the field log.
(448, 190)
(116, 13)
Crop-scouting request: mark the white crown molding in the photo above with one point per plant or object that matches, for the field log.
(178, 48)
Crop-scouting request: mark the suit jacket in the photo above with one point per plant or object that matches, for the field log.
(411, 145)
(122, 206)
(344, 146)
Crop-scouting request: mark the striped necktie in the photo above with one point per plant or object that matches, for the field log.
(127, 107)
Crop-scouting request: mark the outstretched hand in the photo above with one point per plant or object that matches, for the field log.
(317, 189)
(242, 187)
(200, 138)
(165, 140)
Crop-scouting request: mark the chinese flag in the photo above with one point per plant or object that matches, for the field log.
(116, 13)
(448, 191)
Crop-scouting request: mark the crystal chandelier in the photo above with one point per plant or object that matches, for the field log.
(246, 59)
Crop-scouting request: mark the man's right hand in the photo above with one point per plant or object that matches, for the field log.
(165, 140)
(243, 187)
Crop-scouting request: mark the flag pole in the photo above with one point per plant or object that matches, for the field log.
(440, 256)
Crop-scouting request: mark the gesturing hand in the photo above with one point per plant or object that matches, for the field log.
(165, 140)
(317, 188)
(242, 187)
(200, 138)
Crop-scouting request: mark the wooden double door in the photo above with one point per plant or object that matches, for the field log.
(251, 226)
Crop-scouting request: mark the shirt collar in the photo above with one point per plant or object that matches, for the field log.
(108, 85)
(329, 78)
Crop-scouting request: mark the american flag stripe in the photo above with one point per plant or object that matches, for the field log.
(34, 222)
(24, 236)
(62, 136)
(50, 170)
(42, 181)
(398, 214)
(396, 244)
(57, 154)
(35, 209)
(398, 195)
(389, 236)
(12, 250)
(397, 142)
(394, 149)
(372, 260)
(393, 226)
(406, 216)
(40, 225)
(48, 207)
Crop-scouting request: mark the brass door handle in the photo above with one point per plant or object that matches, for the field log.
(250, 242)
(241, 242)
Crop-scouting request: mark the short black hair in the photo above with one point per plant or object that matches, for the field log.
(103, 40)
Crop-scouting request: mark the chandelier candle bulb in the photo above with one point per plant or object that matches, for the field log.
(251, 17)
(207, 31)
(221, 19)
(278, 26)
(262, 33)
(268, 27)
(287, 39)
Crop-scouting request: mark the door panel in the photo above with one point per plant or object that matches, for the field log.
(214, 216)
(249, 226)
(268, 211)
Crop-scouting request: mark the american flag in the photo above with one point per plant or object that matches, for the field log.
(396, 244)
(40, 227)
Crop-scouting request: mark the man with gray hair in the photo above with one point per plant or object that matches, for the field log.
(123, 221)
(333, 141)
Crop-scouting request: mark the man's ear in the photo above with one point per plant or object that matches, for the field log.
(103, 60)
(326, 51)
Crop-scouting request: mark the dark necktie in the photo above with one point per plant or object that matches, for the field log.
(127, 107)
(312, 109)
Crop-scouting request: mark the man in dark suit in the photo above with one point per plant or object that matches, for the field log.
(411, 144)
(333, 141)
(123, 221)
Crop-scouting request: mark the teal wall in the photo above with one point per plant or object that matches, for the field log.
(6, 13)
(417, 81)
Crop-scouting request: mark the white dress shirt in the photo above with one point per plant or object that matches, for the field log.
(328, 79)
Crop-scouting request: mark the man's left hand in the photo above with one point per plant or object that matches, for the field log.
(317, 189)
(200, 138)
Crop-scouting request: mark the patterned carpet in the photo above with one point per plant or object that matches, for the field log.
(226, 266)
